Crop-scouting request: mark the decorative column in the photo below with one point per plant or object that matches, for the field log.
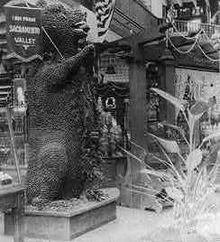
(167, 84)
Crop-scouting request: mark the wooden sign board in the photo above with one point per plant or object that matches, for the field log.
(24, 32)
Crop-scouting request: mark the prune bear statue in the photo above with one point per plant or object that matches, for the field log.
(61, 111)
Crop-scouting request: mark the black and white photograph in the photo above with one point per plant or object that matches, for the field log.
(109, 121)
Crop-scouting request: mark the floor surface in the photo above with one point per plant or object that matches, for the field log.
(131, 225)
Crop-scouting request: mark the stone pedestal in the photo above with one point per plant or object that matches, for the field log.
(53, 225)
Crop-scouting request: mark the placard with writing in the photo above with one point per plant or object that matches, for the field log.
(24, 33)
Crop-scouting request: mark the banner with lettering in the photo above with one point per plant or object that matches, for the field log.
(24, 32)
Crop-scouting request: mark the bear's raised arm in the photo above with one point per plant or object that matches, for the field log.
(57, 73)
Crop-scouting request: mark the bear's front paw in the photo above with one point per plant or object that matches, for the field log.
(95, 195)
(39, 202)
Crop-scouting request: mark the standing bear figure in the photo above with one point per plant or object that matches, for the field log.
(62, 111)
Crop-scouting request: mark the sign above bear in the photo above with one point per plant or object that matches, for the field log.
(23, 32)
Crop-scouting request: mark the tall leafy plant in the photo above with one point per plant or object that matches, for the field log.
(187, 187)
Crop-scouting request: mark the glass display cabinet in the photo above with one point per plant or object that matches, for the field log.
(12, 138)
(11, 190)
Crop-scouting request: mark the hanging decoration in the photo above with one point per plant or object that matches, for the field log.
(110, 103)
(195, 44)
(197, 39)
(171, 14)
(104, 11)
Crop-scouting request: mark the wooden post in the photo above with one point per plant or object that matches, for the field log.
(138, 118)
(18, 218)
(138, 86)
(167, 84)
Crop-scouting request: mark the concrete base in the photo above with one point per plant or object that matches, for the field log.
(113, 169)
(53, 225)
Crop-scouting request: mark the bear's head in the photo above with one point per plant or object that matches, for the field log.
(63, 26)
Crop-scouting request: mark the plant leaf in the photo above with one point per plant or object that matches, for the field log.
(155, 173)
(170, 146)
(199, 108)
(174, 193)
(179, 129)
(194, 159)
(211, 136)
(191, 122)
(175, 101)
(214, 173)
(212, 101)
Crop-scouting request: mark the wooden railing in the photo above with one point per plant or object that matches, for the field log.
(186, 27)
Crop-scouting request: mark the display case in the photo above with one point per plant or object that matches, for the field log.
(12, 197)
(12, 139)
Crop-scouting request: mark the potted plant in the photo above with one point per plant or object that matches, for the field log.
(190, 186)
